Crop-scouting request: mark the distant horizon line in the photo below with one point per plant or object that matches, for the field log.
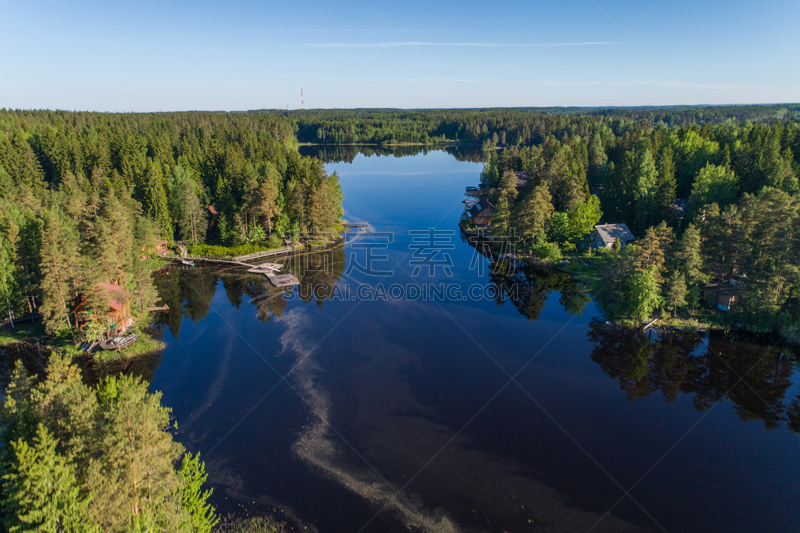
(486, 108)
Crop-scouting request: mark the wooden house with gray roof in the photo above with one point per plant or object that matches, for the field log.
(605, 235)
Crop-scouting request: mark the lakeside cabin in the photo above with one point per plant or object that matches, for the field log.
(723, 297)
(605, 235)
(117, 314)
(481, 213)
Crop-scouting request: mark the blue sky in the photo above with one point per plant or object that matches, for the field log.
(145, 55)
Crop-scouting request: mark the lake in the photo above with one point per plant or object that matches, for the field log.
(452, 393)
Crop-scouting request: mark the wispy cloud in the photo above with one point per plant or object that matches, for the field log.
(597, 83)
(470, 45)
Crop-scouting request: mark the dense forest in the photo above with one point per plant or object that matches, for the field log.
(84, 458)
(713, 203)
(506, 126)
(86, 196)
(87, 199)
(86, 202)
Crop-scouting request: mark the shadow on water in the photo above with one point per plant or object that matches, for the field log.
(189, 293)
(750, 372)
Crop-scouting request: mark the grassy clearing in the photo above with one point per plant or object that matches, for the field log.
(22, 333)
(144, 345)
(587, 266)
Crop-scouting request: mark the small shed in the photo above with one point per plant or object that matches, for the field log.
(723, 297)
(605, 235)
(481, 213)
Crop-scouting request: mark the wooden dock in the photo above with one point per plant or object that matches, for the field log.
(268, 269)
(265, 267)
(355, 225)
(265, 253)
(164, 307)
(271, 271)
(283, 280)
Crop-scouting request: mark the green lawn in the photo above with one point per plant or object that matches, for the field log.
(587, 267)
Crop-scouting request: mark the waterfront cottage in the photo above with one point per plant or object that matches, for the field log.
(481, 213)
(605, 235)
(723, 297)
(116, 315)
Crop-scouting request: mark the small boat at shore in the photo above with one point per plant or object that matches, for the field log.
(118, 343)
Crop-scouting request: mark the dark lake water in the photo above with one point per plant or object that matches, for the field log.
(510, 411)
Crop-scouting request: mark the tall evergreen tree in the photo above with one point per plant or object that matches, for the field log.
(155, 198)
(507, 193)
(688, 257)
(60, 264)
(666, 184)
(265, 198)
(41, 491)
(646, 190)
(7, 275)
(675, 290)
(531, 213)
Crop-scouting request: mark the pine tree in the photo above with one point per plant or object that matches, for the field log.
(60, 264)
(676, 292)
(112, 242)
(650, 253)
(666, 184)
(501, 218)
(689, 257)
(531, 213)
(265, 198)
(135, 476)
(192, 220)
(193, 499)
(325, 206)
(41, 492)
(646, 190)
(643, 294)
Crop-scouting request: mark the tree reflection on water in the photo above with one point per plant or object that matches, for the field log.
(754, 376)
(189, 293)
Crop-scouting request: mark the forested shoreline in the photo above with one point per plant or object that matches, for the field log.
(87, 196)
(89, 199)
(712, 203)
(503, 126)
(89, 202)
